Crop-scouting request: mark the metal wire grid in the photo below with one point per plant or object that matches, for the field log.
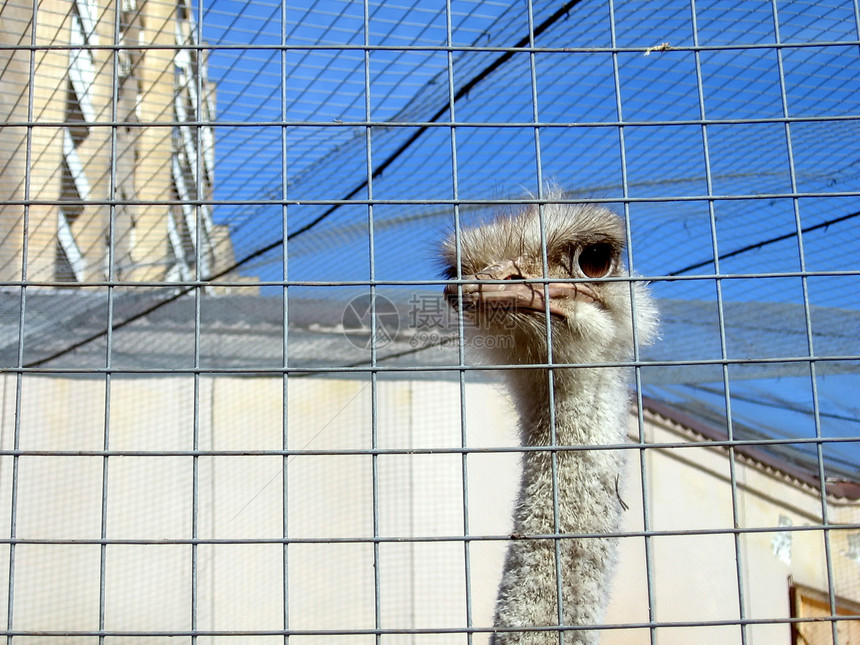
(378, 135)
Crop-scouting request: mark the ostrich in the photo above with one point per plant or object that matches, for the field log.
(591, 322)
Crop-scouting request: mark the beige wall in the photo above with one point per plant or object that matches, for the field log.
(694, 576)
(127, 163)
(330, 501)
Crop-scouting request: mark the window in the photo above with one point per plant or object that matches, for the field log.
(810, 603)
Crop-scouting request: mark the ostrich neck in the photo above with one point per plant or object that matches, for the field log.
(589, 409)
(584, 405)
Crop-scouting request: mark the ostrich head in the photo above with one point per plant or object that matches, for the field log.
(589, 311)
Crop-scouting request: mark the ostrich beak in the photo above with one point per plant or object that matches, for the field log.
(517, 292)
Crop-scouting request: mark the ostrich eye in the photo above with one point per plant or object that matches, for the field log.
(595, 260)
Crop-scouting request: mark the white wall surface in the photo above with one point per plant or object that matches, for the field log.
(159, 496)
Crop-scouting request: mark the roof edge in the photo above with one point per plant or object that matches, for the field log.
(836, 489)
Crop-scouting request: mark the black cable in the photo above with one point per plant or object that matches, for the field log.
(463, 91)
(763, 243)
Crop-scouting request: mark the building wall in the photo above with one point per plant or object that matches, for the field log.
(696, 559)
(153, 509)
(104, 160)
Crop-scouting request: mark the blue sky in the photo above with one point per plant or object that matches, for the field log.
(766, 175)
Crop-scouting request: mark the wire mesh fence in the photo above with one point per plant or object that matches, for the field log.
(238, 406)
